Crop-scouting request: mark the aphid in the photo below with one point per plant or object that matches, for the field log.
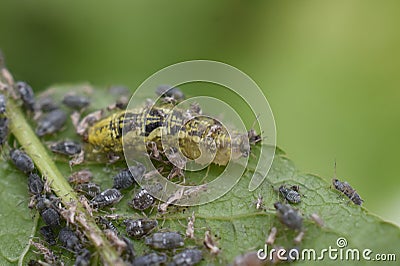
(49, 256)
(106, 198)
(142, 200)
(2, 104)
(289, 216)
(190, 226)
(129, 253)
(69, 239)
(346, 189)
(290, 194)
(50, 217)
(140, 227)
(83, 258)
(3, 130)
(76, 101)
(51, 122)
(106, 224)
(48, 235)
(253, 136)
(35, 184)
(167, 91)
(271, 237)
(187, 257)
(126, 177)
(248, 259)
(45, 104)
(318, 220)
(22, 161)
(80, 177)
(210, 244)
(26, 93)
(66, 147)
(164, 240)
(153, 259)
(89, 189)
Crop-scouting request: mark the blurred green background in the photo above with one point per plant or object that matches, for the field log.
(330, 69)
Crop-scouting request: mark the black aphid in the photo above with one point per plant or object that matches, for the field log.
(153, 259)
(48, 235)
(46, 104)
(290, 194)
(22, 161)
(126, 177)
(69, 239)
(164, 240)
(106, 198)
(35, 184)
(66, 147)
(3, 102)
(171, 92)
(187, 257)
(50, 217)
(3, 130)
(106, 224)
(289, 216)
(346, 189)
(83, 258)
(76, 101)
(89, 189)
(27, 96)
(140, 227)
(51, 122)
(142, 200)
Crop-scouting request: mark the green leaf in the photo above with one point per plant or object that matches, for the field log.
(234, 222)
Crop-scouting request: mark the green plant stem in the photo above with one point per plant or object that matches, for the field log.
(24, 134)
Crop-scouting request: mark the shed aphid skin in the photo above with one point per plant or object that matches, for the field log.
(140, 227)
(22, 161)
(290, 194)
(190, 226)
(89, 189)
(249, 259)
(272, 236)
(80, 177)
(51, 122)
(76, 101)
(26, 94)
(142, 200)
(108, 197)
(347, 190)
(289, 216)
(187, 257)
(164, 240)
(210, 244)
(66, 147)
(153, 259)
(318, 220)
(48, 255)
